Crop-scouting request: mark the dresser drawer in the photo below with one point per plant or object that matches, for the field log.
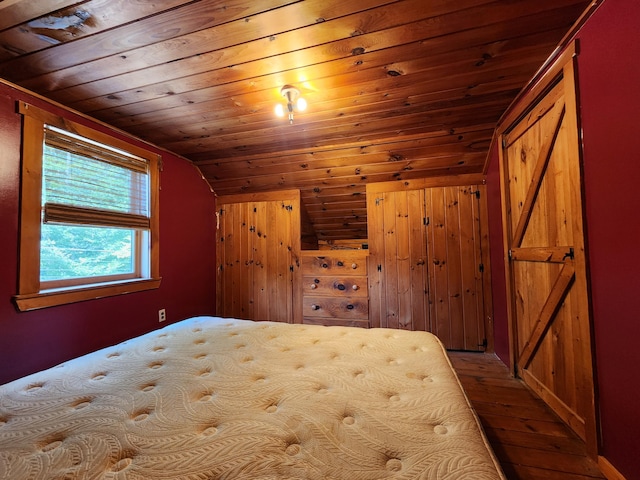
(335, 264)
(336, 307)
(333, 286)
(351, 322)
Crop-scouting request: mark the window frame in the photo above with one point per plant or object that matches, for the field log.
(30, 293)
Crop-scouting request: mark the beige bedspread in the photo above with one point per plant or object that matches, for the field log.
(211, 398)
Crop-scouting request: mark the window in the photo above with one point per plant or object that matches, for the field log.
(89, 222)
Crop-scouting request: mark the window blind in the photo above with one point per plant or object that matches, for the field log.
(88, 183)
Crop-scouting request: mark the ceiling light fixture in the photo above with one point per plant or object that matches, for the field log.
(294, 100)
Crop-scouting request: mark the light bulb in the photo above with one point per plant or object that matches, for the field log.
(279, 110)
(302, 104)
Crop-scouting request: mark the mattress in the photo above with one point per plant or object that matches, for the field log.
(213, 398)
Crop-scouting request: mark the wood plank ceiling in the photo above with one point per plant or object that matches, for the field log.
(396, 89)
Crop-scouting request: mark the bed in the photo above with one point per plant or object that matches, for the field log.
(213, 398)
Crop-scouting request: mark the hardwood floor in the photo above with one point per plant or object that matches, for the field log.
(530, 441)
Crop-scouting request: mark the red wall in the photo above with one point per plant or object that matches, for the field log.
(496, 251)
(31, 341)
(609, 98)
(609, 82)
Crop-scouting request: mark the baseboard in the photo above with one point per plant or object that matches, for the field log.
(609, 470)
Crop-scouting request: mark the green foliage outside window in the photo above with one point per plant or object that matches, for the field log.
(80, 252)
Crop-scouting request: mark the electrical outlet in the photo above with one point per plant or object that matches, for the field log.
(162, 315)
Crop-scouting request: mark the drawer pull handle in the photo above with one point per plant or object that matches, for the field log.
(325, 265)
(341, 287)
(350, 307)
(313, 286)
(355, 287)
(354, 265)
(315, 307)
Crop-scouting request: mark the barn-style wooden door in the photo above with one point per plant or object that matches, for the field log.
(549, 311)
(257, 253)
(425, 262)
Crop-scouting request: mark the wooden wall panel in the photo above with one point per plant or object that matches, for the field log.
(457, 271)
(375, 227)
(258, 248)
(397, 277)
(418, 282)
(262, 260)
(246, 260)
(389, 266)
(438, 272)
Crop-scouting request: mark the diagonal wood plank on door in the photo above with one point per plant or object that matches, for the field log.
(538, 174)
(547, 314)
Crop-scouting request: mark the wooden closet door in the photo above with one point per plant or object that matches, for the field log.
(549, 313)
(456, 267)
(257, 252)
(425, 262)
(397, 260)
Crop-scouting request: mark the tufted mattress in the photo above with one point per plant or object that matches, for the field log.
(212, 398)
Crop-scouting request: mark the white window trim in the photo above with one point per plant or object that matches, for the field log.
(30, 295)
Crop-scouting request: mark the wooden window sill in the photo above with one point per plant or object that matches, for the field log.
(56, 297)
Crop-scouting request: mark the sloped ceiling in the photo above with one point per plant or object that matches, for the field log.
(396, 89)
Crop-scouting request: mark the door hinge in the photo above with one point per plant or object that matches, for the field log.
(484, 343)
(426, 221)
(291, 268)
(379, 268)
(481, 267)
(477, 194)
(252, 228)
(288, 207)
(510, 254)
(378, 200)
(504, 141)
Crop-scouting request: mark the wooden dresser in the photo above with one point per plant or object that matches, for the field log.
(335, 287)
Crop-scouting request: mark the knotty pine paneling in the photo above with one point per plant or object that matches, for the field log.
(426, 261)
(258, 256)
(397, 89)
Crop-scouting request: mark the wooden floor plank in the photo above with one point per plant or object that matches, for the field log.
(561, 444)
(529, 440)
(520, 472)
(516, 424)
